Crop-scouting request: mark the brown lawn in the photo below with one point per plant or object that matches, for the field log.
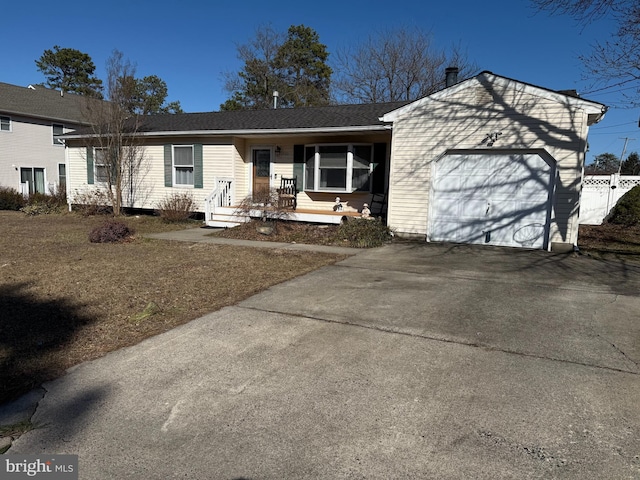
(64, 300)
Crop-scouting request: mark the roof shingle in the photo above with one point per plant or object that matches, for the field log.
(282, 118)
(42, 102)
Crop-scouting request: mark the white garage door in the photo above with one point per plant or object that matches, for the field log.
(494, 199)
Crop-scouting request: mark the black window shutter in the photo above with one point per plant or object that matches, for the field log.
(298, 166)
(380, 170)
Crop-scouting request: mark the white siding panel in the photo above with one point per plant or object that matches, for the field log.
(464, 121)
(29, 144)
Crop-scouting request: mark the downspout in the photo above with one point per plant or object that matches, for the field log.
(66, 171)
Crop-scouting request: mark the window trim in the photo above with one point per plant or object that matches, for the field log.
(9, 121)
(32, 185)
(174, 167)
(57, 142)
(96, 164)
(65, 173)
(349, 168)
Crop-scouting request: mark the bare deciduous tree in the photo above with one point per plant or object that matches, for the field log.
(118, 153)
(395, 65)
(615, 62)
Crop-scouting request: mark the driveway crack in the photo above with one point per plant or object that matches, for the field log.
(490, 348)
(10, 433)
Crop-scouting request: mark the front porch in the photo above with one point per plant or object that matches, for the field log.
(231, 216)
(222, 211)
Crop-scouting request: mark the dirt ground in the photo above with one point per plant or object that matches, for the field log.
(287, 232)
(610, 239)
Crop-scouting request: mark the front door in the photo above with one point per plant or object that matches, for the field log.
(261, 171)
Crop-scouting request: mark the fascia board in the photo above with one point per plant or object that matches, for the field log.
(590, 107)
(250, 132)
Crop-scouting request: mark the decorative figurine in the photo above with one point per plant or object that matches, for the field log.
(366, 213)
(338, 206)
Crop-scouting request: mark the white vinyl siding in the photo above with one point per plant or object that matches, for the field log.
(29, 144)
(463, 121)
(217, 162)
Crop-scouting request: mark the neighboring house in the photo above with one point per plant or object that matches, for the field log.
(489, 160)
(32, 159)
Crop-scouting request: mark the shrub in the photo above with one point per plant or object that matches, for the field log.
(95, 202)
(627, 210)
(177, 207)
(111, 231)
(11, 199)
(364, 232)
(42, 208)
(41, 204)
(59, 194)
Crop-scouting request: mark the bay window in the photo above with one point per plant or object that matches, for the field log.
(338, 168)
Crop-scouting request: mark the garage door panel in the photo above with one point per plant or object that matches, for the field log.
(498, 199)
(473, 208)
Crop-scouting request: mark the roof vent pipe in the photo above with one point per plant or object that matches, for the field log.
(275, 99)
(451, 76)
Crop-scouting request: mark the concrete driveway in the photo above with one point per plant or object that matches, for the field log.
(409, 361)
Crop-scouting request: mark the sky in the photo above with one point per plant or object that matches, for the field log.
(190, 44)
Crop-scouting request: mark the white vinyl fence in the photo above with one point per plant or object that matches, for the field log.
(600, 193)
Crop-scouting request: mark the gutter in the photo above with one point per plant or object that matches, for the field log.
(250, 132)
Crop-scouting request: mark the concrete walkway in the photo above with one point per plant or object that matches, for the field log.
(203, 235)
(408, 361)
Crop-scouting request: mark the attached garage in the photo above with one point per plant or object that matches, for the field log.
(490, 161)
(492, 198)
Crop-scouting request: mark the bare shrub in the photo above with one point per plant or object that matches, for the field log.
(177, 207)
(111, 231)
(95, 202)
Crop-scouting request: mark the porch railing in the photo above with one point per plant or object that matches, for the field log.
(222, 196)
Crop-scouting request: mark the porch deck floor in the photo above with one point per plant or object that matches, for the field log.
(309, 211)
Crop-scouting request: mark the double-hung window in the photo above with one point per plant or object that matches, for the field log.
(101, 165)
(338, 168)
(62, 176)
(57, 130)
(183, 165)
(5, 124)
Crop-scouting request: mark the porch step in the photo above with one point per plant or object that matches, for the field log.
(225, 220)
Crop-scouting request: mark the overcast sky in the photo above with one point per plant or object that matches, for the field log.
(190, 43)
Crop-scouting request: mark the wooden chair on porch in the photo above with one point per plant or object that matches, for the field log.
(287, 193)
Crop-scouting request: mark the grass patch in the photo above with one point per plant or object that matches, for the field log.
(17, 429)
(14, 431)
(65, 300)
